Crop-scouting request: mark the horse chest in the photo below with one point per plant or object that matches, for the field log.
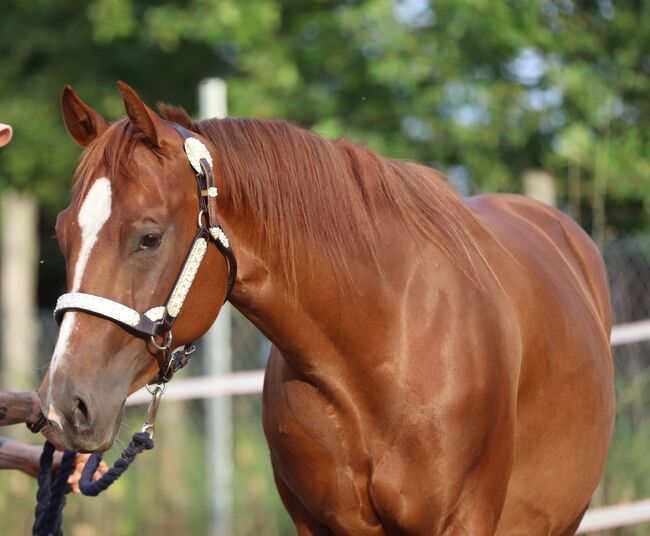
(306, 433)
(317, 454)
(340, 471)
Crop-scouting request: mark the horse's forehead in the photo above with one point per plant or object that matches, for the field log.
(92, 208)
(130, 191)
(96, 193)
(97, 203)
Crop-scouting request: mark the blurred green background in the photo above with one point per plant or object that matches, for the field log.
(483, 90)
(492, 88)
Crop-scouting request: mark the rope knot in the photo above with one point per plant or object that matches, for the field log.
(142, 439)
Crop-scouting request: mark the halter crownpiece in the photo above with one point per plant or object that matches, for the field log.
(195, 150)
(158, 321)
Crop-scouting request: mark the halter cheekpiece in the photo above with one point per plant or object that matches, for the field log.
(156, 323)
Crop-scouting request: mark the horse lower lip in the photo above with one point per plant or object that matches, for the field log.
(81, 445)
(54, 434)
(86, 443)
(57, 436)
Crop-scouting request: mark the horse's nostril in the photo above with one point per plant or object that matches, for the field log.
(81, 415)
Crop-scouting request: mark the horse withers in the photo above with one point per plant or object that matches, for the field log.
(440, 365)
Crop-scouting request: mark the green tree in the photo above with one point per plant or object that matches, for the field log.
(493, 87)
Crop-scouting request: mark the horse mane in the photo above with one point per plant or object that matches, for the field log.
(297, 186)
(334, 194)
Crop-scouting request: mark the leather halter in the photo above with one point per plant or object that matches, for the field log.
(157, 322)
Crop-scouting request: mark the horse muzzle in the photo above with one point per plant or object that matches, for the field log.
(78, 422)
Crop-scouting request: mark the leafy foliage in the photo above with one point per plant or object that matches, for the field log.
(483, 90)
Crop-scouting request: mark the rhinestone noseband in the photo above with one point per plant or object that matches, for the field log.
(156, 323)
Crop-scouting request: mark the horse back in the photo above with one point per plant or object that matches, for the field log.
(569, 252)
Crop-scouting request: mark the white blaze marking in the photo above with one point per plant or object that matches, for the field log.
(93, 214)
(53, 415)
(67, 326)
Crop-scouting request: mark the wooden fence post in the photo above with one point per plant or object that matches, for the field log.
(19, 282)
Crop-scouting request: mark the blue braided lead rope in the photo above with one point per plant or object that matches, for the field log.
(50, 498)
(60, 487)
(89, 487)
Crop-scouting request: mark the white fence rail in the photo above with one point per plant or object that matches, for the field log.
(250, 382)
(629, 333)
(618, 515)
(200, 387)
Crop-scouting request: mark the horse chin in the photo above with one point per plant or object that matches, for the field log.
(96, 440)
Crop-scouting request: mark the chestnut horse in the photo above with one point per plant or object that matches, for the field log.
(440, 365)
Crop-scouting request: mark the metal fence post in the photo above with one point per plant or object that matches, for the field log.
(218, 359)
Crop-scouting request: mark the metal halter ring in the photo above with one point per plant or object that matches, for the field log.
(151, 389)
(167, 345)
(200, 218)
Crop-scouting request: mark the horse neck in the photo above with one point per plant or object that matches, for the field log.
(360, 199)
(325, 315)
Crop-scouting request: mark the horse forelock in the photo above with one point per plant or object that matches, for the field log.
(109, 155)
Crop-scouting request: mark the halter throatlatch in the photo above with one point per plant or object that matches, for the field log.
(156, 323)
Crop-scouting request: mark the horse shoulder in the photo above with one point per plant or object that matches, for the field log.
(443, 465)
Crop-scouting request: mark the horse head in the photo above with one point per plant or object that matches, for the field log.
(125, 237)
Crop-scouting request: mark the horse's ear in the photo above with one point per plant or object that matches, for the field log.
(176, 114)
(144, 118)
(83, 123)
(5, 134)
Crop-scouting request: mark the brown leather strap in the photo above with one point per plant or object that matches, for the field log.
(211, 190)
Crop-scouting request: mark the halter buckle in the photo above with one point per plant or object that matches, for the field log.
(177, 360)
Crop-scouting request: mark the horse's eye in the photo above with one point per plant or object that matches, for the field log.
(150, 241)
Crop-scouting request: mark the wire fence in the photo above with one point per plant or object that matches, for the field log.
(166, 491)
(627, 476)
(628, 264)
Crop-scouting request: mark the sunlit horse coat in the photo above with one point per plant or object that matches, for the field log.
(441, 366)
